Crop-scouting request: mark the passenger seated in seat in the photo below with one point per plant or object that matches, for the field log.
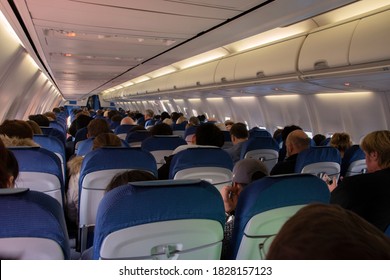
(245, 172)
(341, 141)
(206, 135)
(74, 166)
(296, 142)
(239, 135)
(368, 195)
(120, 179)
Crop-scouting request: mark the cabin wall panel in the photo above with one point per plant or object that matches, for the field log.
(286, 110)
(248, 110)
(356, 113)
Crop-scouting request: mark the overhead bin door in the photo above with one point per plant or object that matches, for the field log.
(192, 77)
(225, 69)
(371, 40)
(273, 60)
(327, 48)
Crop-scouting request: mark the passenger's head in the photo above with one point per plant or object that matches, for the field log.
(318, 139)
(181, 119)
(247, 170)
(117, 118)
(238, 131)
(165, 115)
(209, 135)
(193, 121)
(97, 126)
(149, 114)
(161, 129)
(51, 116)
(376, 146)
(9, 167)
(16, 128)
(296, 142)
(287, 130)
(341, 141)
(127, 121)
(106, 140)
(40, 119)
(123, 178)
(228, 124)
(328, 232)
(35, 127)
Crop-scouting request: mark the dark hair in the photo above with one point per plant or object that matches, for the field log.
(328, 232)
(116, 118)
(318, 138)
(165, 115)
(161, 129)
(239, 130)
(8, 166)
(34, 126)
(40, 119)
(287, 130)
(209, 134)
(129, 176)
(16, 128)
(97, 126)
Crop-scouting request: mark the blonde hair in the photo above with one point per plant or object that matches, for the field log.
(106, 140)
(341, 141)
(378, 141)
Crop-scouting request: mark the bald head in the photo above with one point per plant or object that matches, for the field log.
(296, 142)
(127, 120)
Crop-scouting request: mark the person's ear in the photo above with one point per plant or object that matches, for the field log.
(373, 156)
(193, 139)
(11, 181)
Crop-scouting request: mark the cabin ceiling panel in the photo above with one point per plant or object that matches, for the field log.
(124, 39)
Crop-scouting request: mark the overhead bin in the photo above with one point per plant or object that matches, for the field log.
(327, 48)
(225, 69)
(157, 84)
(371, 39)
(273, 60)
(201, 75)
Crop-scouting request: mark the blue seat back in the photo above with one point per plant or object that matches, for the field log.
(54, 145)
(190, 130)
(98, 168)
(319, 161)
(123, 129)
(206, 163)
(81, 134)
(135, 137)
(54, 132)
(273, 193)
(58, 125)
(85, 146)
(31, 214)
(353, 162)
(265, 149)
(162, 142)
(40, 170)
(153, 202)
(258, 132)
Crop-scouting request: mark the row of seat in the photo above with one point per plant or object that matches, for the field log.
(170, 219)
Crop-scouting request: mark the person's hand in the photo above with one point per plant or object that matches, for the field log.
(230, 198)
(332, 183)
